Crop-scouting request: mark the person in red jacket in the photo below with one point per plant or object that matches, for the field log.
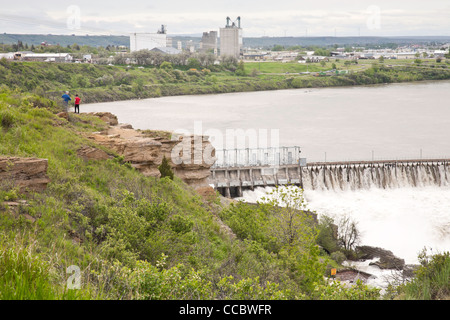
(77, 103)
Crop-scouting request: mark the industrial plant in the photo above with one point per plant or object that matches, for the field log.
(231, 39)
(229, 42)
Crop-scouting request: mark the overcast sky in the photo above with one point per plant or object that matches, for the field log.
(258, 18)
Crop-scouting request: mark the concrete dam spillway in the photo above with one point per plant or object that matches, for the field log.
(383, 176)
(232, 181)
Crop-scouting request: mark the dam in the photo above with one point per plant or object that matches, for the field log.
(239, 170)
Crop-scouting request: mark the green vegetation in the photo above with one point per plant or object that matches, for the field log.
(165, 169)
(431, 281)
(99, 83)
(136, 237)
(161, 75)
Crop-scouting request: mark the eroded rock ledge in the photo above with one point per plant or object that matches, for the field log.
(28, 174)
(144, 150)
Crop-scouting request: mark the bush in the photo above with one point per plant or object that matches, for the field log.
(431, 281)
(166, 65)
(26, 276)
(165, 169)
(7, 120)
(338, 256)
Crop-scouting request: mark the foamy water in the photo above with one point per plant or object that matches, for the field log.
(402, 220)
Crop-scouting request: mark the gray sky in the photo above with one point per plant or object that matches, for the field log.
(258, 18)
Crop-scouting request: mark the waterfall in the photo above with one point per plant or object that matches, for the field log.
(382, 176)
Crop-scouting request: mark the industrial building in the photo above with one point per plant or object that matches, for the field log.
(231, 39)
(166, 50)
(47, 57)
(140, 41)
(209, 42)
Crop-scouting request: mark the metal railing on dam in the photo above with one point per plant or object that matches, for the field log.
(272, 156)
(231, 180)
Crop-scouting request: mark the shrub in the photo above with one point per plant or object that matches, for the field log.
(165, 169)
(166, 65)
(7, 120)
(338, 256)
(431, 281)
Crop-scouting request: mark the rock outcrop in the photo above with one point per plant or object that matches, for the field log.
(107, 117)
(92, 153)
(352, 275)
(28, 174)
(387, 259)
(144, 151)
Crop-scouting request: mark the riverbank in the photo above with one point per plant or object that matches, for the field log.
(100, 83)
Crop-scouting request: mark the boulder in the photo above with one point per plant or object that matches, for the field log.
(64, 115)
(387, 259)
(28, 174)
(107, 117)
(352, 275)
(92, 153)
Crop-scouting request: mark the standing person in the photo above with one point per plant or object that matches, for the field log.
(77, 103)
(66, 99)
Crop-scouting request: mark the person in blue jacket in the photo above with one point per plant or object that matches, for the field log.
(66, 99)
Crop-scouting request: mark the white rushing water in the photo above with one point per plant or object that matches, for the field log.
(402, 220)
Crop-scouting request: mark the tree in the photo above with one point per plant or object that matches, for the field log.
(278, 48)
(417, 61)
(166, 66)
(165, 169)
(193, 63)
(322, 52)
(292, 224)
(348, 233)
(381, 59)
(240, 71)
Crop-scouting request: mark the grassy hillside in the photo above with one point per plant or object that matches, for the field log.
(100, 83)
(135, 237)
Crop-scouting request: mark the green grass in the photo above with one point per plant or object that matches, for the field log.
(132, 237)
(432, 279)
(279, 67)
(129, 233)
(101, 83)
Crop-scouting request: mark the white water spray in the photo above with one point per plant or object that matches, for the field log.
(403, 220)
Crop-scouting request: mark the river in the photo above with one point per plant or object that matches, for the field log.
(393, 121)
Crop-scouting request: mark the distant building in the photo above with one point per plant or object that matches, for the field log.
(87, 58)
(166, 50)
(231, 39)
(140, 41)
(47, 57)
(440, 53)
(7, 56)
(209, 42)
(406, 55)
